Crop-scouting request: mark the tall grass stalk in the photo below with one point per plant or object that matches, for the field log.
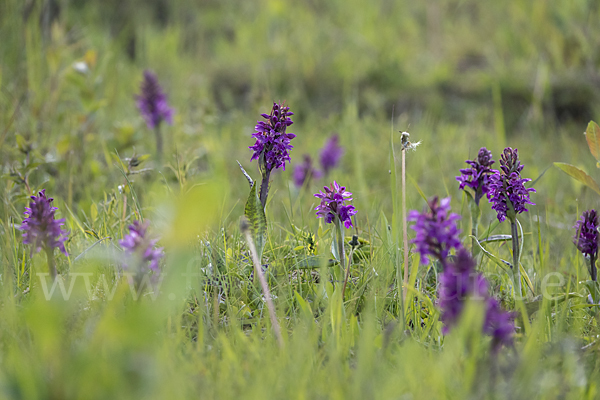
(244, 226)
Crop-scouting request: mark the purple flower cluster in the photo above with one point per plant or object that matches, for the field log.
(460, 282)
(140, 250)
(436, 231)
(305, 171)
(331, 154)
(40, 228)
(586, 238)
(506, 189)
(333, 205)
(152, 102)
(478, 176)
(272, 145)
(436, 234)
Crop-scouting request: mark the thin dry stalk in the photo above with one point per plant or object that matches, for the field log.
(263, 282)
(404, 228)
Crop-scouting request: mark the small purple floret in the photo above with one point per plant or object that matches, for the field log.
(436, 230)
(333, 205)
(507, 189)
(305, 171)
(141, 250)
(331, 154)
(272, 144)
(152, 102)
(478, 176)
(40, 229)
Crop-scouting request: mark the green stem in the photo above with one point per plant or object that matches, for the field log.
(475, 215)
(340, 243)
(516, 270)
(264, 188)
(159, 143)
(51, 262)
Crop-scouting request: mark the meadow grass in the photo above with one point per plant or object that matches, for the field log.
(457, 75)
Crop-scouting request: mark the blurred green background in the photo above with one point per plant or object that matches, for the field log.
(457, 75)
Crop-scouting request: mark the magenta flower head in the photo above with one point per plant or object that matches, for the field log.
(331, 154)
(586, 238)
(272, 145)
(40, 228)
(142, 256)
(436, 230)
(459, 283)
(333, 205)
(507, 190)
(152, 102)
(499, 324)
(478, 176)
(305, 171)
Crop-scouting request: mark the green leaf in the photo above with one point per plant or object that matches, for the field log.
(579, 175)
(497, 260)
(496, 238)
(592, 135)
(257, 219)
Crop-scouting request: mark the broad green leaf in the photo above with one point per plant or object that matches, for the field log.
(592, 135)
(257, 219)
(579, 175)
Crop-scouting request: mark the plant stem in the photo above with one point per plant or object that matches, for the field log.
(51, 263)
(593, 271)
(475, 215)
(263, 282)
(404, 228)
(264, 187)
(159, 142)
(516, 271)
(342, 255)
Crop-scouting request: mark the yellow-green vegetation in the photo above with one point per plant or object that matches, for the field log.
(457, 75)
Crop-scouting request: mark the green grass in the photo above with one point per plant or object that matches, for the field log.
(458, 75)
